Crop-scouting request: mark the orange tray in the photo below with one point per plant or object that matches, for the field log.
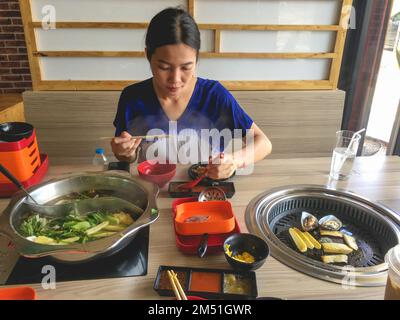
(220, 218)
(17, 293)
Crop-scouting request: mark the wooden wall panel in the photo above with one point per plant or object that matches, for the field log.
(299, 124)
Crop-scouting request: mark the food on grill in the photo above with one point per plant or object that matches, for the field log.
(330, 223)
(340, 258)
(336, 248)
(325, 240)
(315, 243)
(350, 241)
(304, 238)
(308, 221)
(197, 219)
(298, 241)
(73, 228)
(327, 233)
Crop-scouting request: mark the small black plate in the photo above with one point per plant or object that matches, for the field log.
(119, 166)
(227, 187)
(206, 181)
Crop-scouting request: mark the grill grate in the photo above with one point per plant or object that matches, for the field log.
(373, 237)
(376, 228)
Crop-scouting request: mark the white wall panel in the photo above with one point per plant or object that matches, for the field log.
(323, 12)
(277, 41)
(221, 69)
(104, 10)
(207, 40)
(103, 39)
(91, 39)
(94, 68)
(262, 69)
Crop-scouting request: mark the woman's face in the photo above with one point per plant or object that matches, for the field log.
(173, 67)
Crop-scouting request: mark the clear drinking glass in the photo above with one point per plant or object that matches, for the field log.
(392, 258)
(343, 154)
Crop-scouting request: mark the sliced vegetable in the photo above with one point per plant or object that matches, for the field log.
(45, 240)
(301, 246)
(102, 234)
(304, 238)
(336, 234)
(124, 218)
(97, 228)
(316, 244)
(350, 241)
(70, 240)
(336, 248)
(81, 226)
(114, 228)
(341, 258)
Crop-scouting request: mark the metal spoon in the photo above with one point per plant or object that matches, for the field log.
(15, 181)
(78, 207)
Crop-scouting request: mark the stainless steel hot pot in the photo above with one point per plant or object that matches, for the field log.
(138, 192)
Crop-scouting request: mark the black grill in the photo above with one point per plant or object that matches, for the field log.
(374, 237)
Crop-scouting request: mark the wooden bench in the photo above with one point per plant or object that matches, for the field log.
(70, 123)
(11, 108)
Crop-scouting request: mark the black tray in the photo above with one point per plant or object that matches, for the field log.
(174, 192)
(250, 276)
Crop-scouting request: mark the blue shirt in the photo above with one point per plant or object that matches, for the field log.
(211, 106)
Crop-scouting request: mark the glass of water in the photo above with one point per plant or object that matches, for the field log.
(343, 154)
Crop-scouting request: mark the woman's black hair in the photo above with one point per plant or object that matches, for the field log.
(172, 26)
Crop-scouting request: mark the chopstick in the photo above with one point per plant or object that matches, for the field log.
(142, 137)
(176, 286)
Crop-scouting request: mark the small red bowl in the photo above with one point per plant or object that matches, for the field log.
(157, 173)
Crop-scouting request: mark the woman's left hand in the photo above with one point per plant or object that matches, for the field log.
(222, 167)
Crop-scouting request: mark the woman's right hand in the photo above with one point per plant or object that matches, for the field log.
(124, 147)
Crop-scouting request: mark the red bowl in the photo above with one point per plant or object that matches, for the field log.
(157, 173)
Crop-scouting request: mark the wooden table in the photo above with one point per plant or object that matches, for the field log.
(377, 178)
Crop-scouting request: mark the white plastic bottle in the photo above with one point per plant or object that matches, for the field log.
(99, 160)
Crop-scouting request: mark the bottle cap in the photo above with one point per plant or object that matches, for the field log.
(99, 151)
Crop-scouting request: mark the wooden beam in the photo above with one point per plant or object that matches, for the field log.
(96, 25)
(79, 85)
(144, 25)
(190, 5)
(75, 54)
(340, 42)
(25, 7)
(217, 41)
(207, 55)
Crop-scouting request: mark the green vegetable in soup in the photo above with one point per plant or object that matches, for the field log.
(73, 228)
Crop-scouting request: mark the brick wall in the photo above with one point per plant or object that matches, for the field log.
(15, 75)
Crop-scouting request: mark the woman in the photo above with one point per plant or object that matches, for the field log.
(174, 93)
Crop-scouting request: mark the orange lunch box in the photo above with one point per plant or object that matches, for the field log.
(219, 218)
